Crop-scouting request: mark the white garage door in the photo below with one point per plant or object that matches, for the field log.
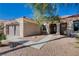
(14, 30)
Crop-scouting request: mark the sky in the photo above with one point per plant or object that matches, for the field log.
(10, 11)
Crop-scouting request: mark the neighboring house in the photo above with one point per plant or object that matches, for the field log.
(21, 27)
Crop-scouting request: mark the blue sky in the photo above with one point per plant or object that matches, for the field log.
(10, 11)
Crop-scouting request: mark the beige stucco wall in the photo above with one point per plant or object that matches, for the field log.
(27, 28)
(31, 29)
(69, 22)
(21, 26)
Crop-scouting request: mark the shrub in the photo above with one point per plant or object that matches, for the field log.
(2, 37)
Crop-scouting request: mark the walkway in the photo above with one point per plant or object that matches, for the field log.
(43, 41)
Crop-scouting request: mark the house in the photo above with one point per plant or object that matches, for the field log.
(24, 27)
(67, 23)
(21, 27)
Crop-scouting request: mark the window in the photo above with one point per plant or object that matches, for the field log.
(76, 25)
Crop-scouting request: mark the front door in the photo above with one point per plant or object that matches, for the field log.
(76, 25)
(63, 28)
(53, 28)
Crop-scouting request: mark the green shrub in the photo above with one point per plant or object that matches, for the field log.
(2, 37)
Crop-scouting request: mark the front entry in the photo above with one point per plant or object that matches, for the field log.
(53, 28)
(63, 28)
(43, 29)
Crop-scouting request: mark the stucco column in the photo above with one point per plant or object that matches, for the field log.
(47, 28)
(5, 29)
(58, 28)
(48, 31)
(70, 26)
(21, 27)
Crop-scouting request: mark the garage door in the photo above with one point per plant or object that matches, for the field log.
(14, 30)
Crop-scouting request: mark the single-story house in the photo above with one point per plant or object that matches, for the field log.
(66, 24)
(21, 27)
(24, 27)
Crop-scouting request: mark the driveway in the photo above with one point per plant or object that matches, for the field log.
(60, 47)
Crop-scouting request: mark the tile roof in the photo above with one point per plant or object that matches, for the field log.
(69, 16)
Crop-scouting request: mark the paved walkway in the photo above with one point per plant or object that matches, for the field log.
(34, 44)
(42, 42)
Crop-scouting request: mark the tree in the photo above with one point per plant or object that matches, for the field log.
(42, 10)
(50, 9)
(55, 19)
(2, 36)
